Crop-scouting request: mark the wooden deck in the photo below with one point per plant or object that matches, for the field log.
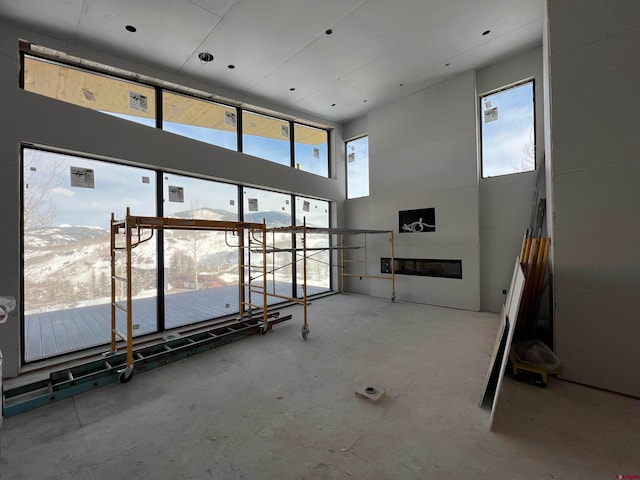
(55, 333)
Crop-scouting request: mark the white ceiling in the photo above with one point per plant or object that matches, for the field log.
(376, 45)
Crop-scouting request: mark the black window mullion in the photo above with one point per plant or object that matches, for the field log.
(241, 250)
(159, 112)
(239, 133)
(160, 257)
(331, 249)
(329, 156)
(292, 146)
(23, 351)
(294, 253)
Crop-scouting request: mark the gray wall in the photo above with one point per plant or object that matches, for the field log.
(594, 78)
(505, 202)
(422, 153)
(32, 118)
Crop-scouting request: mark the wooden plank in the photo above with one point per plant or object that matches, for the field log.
(523, 248)
(533, 299)
(529, 274)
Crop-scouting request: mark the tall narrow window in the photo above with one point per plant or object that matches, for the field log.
(201, 120)
(67, 204)
(311, 149)
(358, 167)
(508, 131)
(266, 137)
(128, 100)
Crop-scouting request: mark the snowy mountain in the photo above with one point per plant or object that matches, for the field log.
(62, 235)
(207, 214)
(273, 219)
(69, 266)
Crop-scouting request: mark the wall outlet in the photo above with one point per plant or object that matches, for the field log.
(504, 292)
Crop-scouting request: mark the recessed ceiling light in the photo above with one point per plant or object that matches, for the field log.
(328, 31)
(130, 28)
(292, 88)
(231, 67)
(205, 57)
(486, 32)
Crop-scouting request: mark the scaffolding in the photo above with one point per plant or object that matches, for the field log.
(132, 231)
(303, 253)
(252, 240)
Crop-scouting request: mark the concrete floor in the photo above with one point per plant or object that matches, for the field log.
(276, 407)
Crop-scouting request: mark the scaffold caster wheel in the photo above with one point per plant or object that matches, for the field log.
(263, 329)
(393, 297)
(126, 375)
(305, 331)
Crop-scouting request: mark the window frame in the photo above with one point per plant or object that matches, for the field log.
(153, 103)
(162, 119)
(346, 166)
(271, 117)
(504, 88)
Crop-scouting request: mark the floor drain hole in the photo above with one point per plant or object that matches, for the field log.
(370, 390)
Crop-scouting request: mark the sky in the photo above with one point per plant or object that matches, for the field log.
(358, 167)
(275, 150)
(503, 139)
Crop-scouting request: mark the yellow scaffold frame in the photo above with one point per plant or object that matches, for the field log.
(340, 233)
(251, 238)
(139, 229)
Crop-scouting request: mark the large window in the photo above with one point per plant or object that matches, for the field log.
(201, 270)
(358, 167)
(128, 100)
(201, 120)
(67, 205)
(266, 137)
(508, 130)
(311, 149)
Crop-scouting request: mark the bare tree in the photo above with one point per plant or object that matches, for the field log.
(197, 244)
(528, 161)
(39, 210)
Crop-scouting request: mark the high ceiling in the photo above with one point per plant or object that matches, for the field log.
(378, 51)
